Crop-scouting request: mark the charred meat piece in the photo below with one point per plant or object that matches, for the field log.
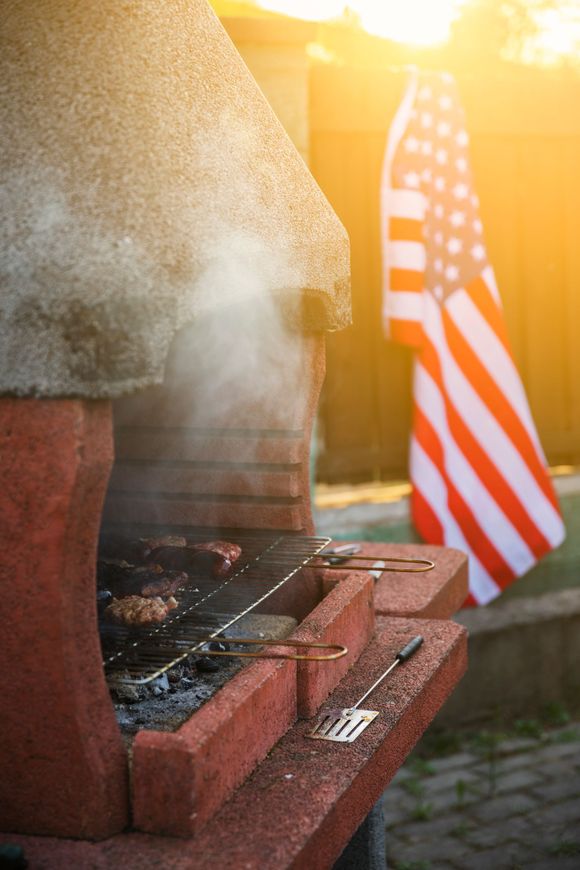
(223, 554)
(138, 611)
(218, 556)
(168, 584)
(148, 581)
(150, 544)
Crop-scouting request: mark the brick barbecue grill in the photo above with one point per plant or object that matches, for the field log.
(162, 354)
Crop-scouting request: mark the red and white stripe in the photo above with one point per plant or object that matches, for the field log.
(479, 474)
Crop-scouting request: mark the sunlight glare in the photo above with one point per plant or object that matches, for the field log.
(419, 22)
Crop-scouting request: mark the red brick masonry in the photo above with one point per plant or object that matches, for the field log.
(301, 805)
(64, 767)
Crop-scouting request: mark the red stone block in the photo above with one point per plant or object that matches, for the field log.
(64, 767)
(344, 616)
(181, 779)
(435, 594)
(306, 799)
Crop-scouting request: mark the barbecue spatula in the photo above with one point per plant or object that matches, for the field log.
(344, 726)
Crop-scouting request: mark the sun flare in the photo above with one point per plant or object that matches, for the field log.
(419, 22)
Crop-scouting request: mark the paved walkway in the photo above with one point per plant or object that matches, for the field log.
(511, 803)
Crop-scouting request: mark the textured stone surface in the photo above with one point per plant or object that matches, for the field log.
(307, 797)
(181, 779)
(518, 808)
(344, 616)
(510, 671)
(216, 445)
(64, 768)
(435, 594)
(146, 182)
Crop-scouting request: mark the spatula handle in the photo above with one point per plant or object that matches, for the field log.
(401, 656)
(411, 648)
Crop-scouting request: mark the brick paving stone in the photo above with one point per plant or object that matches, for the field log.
(559, 769)
(442, 782)
(516, 829)
(556, 862)
(557, 751)
(518, 744)
(518, 779)
(505, 764)
(504, 807)
(565, 813)
(431, 850)
(558, 790)
(462, 759)
(448, 801)
(508, 857)
(414, 831)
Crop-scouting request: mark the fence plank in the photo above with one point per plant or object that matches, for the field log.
(525, 137)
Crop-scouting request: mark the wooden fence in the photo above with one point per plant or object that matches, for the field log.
(525, 150)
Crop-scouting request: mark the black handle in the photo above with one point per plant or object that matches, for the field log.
(411, 648)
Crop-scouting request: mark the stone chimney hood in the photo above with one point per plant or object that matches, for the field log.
(145, 183)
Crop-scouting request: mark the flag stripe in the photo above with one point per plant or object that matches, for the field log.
(406, 279)
(405, 306)
(495, 357)
(405, 229)
(405, 332)
(407, 255)
(485, 526)
(486, 430)
(434, 492)
(495, 388)
(482, 465)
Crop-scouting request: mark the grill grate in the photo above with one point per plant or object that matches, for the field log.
(206, 608)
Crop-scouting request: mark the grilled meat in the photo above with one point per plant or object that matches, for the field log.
(166, 585)
(138, 611)
(218, 556)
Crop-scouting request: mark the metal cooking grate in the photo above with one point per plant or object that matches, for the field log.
(206, 608)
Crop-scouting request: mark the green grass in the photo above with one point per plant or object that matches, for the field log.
(565, 848)
(422, 812)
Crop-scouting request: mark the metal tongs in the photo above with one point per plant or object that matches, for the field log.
(336, 556)
(340, 650)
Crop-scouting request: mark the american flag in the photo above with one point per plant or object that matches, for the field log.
(477, 467)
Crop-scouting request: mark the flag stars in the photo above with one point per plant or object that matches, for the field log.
(478, 252)
(478, 226)
(461, 191)
(438, 292)
(474, 200)
(452, 272)
(439, 183)
(411, 179)
(412, 145)
(438, 264)
(439, 211)
(461, 164)
(462, 138)
(438, 237)
(427, 147)
(445, 102)
(426, 119)
(457, 219)
(454, 245)
(426, 175)
(425, 93)
(441, 155)
(443, 128)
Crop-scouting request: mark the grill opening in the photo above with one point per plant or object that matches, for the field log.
(206, 607)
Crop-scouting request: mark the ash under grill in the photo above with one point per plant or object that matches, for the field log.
(206, 607)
